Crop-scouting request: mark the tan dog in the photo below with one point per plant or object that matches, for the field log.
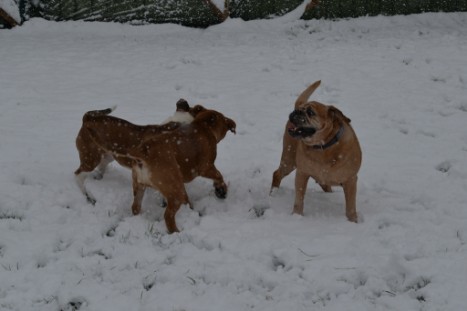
(120, 133)
(320, 143)
(166, 161)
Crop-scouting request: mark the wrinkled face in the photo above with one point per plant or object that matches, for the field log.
(306, 120)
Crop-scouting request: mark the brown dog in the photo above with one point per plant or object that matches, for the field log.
(121, 134)
(320, 143)
(168, 160)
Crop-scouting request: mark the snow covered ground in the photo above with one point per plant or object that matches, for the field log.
(402, 81)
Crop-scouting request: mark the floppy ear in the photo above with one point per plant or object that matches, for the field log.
(231, 125)
(336, 113)
(208, 117)
(194, 111)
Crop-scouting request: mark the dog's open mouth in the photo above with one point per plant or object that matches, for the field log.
(296, 128)
(299, 131)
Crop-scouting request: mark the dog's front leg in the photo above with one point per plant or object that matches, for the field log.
(174, 201)
(350, 192)
(287, 164)
(285, 168)
(169, 215)
(220, 187)
(301, 182)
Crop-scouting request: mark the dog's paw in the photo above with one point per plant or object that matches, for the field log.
(75, 304)
(258, 210)
(97, 175)
(273, 191)
(352, 218)
(221, 192)
(90, 199)
(163, 203)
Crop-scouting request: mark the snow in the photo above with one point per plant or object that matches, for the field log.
(402, 81)
(10, 7)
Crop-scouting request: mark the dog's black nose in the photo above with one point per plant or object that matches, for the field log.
(297, 117)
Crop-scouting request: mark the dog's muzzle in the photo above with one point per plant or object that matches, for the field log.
(298, 128)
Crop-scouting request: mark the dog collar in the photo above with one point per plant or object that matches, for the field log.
(333, 141)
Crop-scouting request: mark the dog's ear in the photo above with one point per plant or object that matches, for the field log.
(231, 125)
(214, 118)
(208, 117)
(194, 111)
(336, 113)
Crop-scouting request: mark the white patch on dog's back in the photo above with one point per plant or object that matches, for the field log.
(180, 116)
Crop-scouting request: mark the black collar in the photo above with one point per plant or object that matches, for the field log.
(334, 140)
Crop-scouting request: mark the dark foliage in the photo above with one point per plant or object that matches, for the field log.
(202, 13)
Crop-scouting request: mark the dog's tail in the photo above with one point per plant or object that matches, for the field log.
(98, 113)
(303, 98)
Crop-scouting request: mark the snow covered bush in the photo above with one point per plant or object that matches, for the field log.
(259, 9)
(355, 8)
(204, 13)
(195, 13)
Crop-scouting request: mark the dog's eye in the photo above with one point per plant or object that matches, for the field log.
(310, 112)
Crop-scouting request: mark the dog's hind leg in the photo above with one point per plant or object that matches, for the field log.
(80, 177)
(301, 181)
(90, 156)
(350, 192)
(98, 174)
(86, 167)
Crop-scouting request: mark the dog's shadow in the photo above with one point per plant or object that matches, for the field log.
(325, 204)
(113, 190)
(317, 203)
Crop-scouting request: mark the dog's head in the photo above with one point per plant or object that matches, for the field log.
(311, 121)
(216, 122)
